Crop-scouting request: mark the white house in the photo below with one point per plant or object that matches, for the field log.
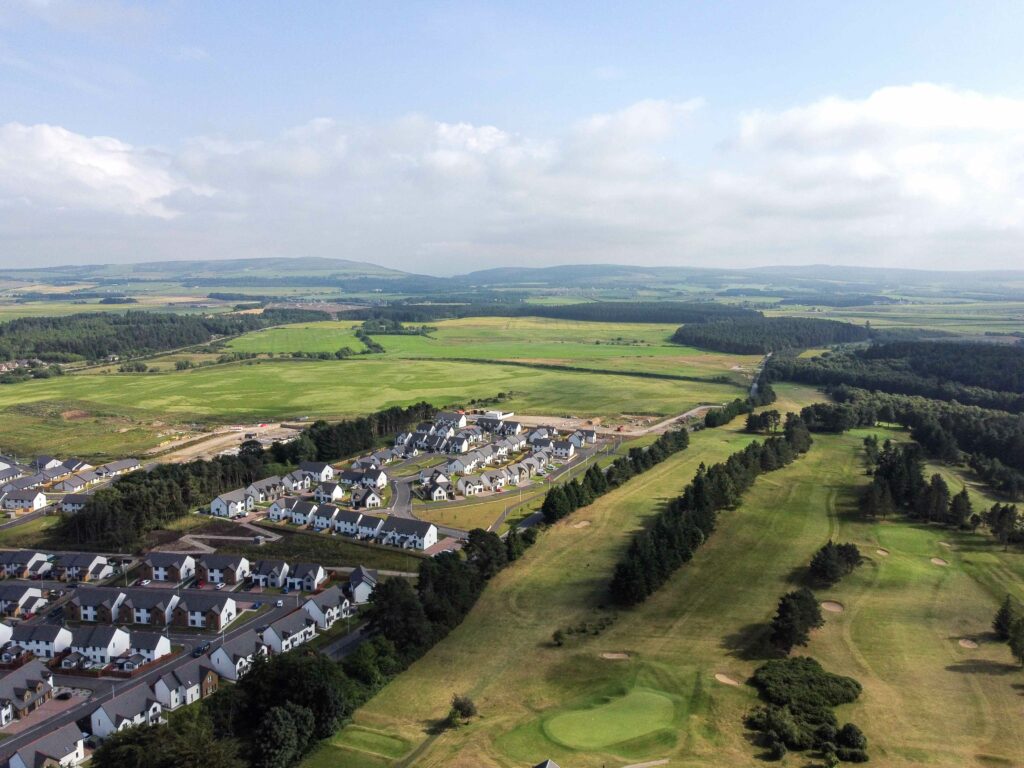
(281, 509)
(366, 498)
(327, 607)
(23, 690)
(289, 632)
(100, 644)
(235, 657)
(205, 610)
(42, 640)
(270, 573)
(408, 534)
(328, 493)
(186, 684)
(369, 526)
(169, 566)
(267, 489)
(295, 482)
(325, 517)
(319, 471)
(73, 503)
(150, 645)
(223, 569)
(63, 747)
(302, 513)
(305, 577)
(470, 485)
(347, 522)
(564, 449)
(493, 481)
(30, 499)
(233, 504)
(361, 583)
(375, 478)
(136, 706)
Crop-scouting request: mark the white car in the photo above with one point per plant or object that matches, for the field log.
(220, 586)
(279, 603)
(144, 583)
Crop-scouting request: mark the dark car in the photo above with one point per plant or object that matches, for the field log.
(200, 649)
(64, 695)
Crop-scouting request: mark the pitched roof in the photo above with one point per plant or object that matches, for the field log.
(166, 559)
(128, 704)
(94, 637)
(405, 527)
(54, 746)
(363, 575)
(148, 641)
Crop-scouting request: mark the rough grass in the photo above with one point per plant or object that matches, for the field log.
(328, 551)
(926, 700)
(271, 390)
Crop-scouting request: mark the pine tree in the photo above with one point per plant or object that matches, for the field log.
(1016, 639)
(1004, 619)
(960, 509)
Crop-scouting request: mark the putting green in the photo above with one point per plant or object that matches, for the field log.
(638, 713)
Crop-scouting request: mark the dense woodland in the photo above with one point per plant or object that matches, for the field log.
(119, 516)
(990, 441)
(986, 375)
(95, 336)
(598, 311)
(687, 521)
(760, 335)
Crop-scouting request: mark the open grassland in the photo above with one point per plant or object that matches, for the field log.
(85, 414)
(618, 346)
(327, 336)
(975, 317)
(926, 701)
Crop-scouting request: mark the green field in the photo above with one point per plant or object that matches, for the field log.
(307, 337)
(926, 701)
(618, 346)
(96, 414)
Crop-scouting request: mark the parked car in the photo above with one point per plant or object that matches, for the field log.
(145, 583)
(220, 586)
(64, 695)
(200, 649)
(279, 603)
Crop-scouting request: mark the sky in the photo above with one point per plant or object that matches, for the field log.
(449, 136)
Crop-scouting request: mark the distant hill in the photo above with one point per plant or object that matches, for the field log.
(198, 270)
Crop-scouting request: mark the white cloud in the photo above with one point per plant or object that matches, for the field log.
(920, 175)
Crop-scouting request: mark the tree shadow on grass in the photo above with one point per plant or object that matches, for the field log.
(799, 575)
(1019, 687)
(983, 667)
(436, 727)
(751, 643)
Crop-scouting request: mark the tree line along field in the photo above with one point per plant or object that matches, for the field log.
(927, 700)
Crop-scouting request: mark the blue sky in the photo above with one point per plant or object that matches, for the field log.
(442, 136)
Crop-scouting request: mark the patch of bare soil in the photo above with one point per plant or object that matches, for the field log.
(832, 606)
(725, 679)
(581, 524)
(946, 545)
(74, 415)
(615, 656)
(883, 552)
(938, 561)
(966, 643)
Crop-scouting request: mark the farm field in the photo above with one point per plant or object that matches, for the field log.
(328, 336)
(84, 414)
(927, 700)
(953, 317)
(618, 346)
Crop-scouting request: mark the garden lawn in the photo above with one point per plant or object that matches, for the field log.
(926, 701)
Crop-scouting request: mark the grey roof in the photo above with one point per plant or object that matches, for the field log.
(146, 640)
(28, 494)
(55, 746)
(76, 498)
(371, 520)
(204, 601)
(314, 466)
(235, 495)
(304, 507)
(120, 465)
(301, 570)
(349, 517)
(93, 637)
(292, 624)
(147, 598)
(222, 562)
(267, 482)
(244, 644)
(405, 527)
(266, 567)
(166, 559)
(104, 595)
(78, 560)
(39, 633)
(362, 575)
(331, 597)
(129, 704)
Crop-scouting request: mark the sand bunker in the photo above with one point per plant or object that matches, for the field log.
(832, 606)
(883, 552)
(581, 524)
(965, 643)
(615, 656)
(944, 544)
(725, 679)
(938, 561)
